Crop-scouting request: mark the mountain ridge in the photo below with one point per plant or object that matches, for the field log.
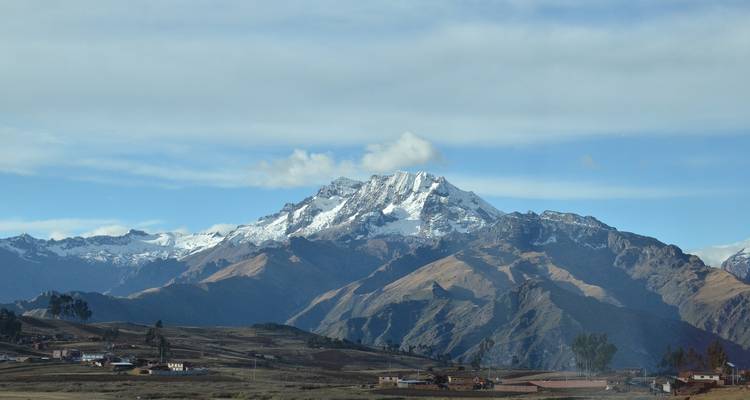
(411, 259)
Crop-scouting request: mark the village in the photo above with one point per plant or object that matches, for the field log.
(620, 381)
(270, 358)
(100, 353)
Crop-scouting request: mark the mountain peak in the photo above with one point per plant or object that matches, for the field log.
(404, 203)
(573, 219)
(738, 265)
(339, 187)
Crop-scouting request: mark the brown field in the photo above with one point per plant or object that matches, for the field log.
(269, 362)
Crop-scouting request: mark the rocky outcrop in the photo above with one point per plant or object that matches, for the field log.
(738, 265)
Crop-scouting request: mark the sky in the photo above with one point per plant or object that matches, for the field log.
(195, 115)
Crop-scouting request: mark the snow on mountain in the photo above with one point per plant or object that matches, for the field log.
(403, 204)
(739, 265)
(400, 204)
(133, 248)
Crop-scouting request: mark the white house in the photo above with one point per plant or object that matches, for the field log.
(178, 366)
(701, 376)
(388, 380)
(90, 357)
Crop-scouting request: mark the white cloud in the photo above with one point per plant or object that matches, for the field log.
(715, 255)
(409, 150)
(301, 168)
(534, 188)
(24, 152)
(112, 79)
(107, 230)
(172, 172)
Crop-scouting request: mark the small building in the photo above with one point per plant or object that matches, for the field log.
(415, 384)
(701, 376)
(178, 366)
(388, 381)
(468, 383)
(91, 357)
(66, 354)
(39, 346)
(460, 383)
(121, 366)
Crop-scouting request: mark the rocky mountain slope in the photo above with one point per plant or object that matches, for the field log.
(531, 282)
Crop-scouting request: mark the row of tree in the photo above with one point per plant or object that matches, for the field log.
(679, 359)
(593, 352)
(67, 306)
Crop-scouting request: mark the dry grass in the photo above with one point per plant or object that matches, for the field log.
(286, 369)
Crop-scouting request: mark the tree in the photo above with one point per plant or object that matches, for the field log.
(163, 346)
(65, 305)
(716, 357)
(476, 362)
(154, 336)
(593, 352)
(60, 305)
(110, 335)
(673, 360)
(80, 309)
(441, 380)
(10, 325)
(54, 307)
(694, 359)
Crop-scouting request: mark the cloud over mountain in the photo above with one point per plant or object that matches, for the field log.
(409, 150)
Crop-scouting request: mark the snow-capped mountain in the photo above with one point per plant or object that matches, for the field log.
(405, 204)
(738, 265)
(133, 248)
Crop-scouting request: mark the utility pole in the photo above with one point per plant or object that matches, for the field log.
(255, 367)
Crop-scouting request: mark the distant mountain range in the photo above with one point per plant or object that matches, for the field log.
(407, 259)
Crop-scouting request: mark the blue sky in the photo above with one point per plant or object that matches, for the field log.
(183, 115)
